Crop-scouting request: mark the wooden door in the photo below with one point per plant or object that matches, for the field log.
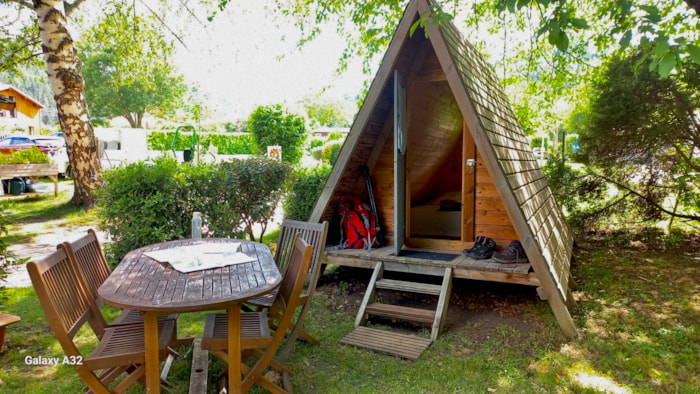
(400, 145)
(468, 184)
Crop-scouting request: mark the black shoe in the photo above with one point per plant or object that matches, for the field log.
(514, 253)
(483, 248)
(478, 241)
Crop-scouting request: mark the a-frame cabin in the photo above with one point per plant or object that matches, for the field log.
(449, 162)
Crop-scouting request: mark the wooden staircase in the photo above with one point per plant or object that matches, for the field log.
(391, 342)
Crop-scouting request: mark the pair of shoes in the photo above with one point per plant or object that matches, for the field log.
(483, 248)
(514, 253)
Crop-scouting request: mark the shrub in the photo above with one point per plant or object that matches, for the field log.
(328, 153)
(335, 136)
(254, 189)
(315, 143)
(232, 144)
(25, 156)
(303, 188)
(225, 144)
(273, 125)
(331, 151)
(145, 203)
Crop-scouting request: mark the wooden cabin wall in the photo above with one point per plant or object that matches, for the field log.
(490, 217)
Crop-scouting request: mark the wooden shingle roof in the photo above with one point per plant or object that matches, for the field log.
(538, 220)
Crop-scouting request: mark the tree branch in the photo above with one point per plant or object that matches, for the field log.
(162, 22)
(646, 198)
(69, 8)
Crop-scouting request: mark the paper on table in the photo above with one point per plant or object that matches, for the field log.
(202, 256)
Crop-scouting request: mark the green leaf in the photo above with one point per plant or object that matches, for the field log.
(563, 43)
(414, 26)
(652, 13)
(579, 23)
(661, 46)
(625, 40)
(667, 63)
(694, 52)
(625, 7)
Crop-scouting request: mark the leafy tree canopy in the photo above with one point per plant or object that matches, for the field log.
(127, 68)
(19, 37)
(272, 125)
(641, 132)
(543, 50)
(325, 113)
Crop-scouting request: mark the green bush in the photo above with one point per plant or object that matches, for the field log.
(145, 203)
(315, 143)
(328, 153)
(225, 144)
(335, 136)
(254, 188)
(273, 125)
(26, 156)
(232, 144)
(303, 188)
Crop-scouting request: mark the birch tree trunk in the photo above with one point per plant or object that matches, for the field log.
(65, 77)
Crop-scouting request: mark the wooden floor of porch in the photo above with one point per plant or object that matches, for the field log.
(463, 267)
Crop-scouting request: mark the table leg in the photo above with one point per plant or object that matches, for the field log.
(152, 359)
(234, 348)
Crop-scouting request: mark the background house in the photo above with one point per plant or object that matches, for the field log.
(25, 117)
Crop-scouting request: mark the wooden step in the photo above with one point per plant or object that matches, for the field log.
(412, 287)
(402, 345)
(401, 312)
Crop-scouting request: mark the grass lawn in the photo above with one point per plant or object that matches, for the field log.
(638, 315)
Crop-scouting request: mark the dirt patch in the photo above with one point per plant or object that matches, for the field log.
(473, 304)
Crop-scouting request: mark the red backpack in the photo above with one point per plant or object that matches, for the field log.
(358, 224)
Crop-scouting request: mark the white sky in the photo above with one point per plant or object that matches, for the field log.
(246, 58)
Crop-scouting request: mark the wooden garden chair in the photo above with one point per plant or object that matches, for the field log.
(89, 257)
(256, 341)
(315, 235)
(68, 305)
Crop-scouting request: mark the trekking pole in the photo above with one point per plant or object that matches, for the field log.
(373, 204)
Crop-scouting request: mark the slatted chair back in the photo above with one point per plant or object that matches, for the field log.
(283, 309)
(255, 332)
(315, 235)
(66, 303)
(87, 252)
(287, 298)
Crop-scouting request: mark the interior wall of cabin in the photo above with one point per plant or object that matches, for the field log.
(435, 162)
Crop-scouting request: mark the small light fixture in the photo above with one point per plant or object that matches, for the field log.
(471, 163)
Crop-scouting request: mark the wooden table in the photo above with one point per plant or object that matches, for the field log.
(144, 284)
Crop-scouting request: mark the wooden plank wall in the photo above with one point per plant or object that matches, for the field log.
(534, 207)
(490, 216)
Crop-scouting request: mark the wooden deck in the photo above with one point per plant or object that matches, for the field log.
(463, 267)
